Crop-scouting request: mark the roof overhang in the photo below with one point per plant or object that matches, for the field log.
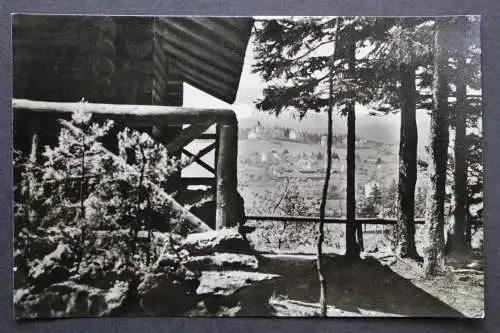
(208, 52)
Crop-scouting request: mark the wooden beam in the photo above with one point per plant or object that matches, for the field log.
(200, 154)
(186, 181)
(330, 220)
(186, 136)
(129, 115)
(216, 161)
(206, 150)
(194, 222)
(207, 136)
(217, 144)
(199, 161)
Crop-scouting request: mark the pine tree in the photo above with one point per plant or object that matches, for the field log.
(294, 56)
(376, 195)
(403, 51)
(353, 228)
(434, 252)
(465, 70)
(291, 56)
(390, 200)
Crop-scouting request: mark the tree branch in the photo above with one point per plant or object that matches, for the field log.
(309, 51)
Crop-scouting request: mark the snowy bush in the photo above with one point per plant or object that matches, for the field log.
(81, 216)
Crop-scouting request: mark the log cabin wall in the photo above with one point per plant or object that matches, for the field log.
(53, 60)
(100, 59)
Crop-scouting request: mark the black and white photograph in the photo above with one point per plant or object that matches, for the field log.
(269, 166)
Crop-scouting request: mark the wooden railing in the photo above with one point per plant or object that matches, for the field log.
(328, 220)
(153, 116)
(336, 220)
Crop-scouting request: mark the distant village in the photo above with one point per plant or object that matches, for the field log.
(271, 154)
(261, 132)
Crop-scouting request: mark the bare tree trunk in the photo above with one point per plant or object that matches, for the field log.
(322, 208)
(456, 241)
(405, 236)
(352, 247)
(434, 256)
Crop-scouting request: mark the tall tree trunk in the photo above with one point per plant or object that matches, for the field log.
(407, 165)
(456, 241)
(322, 208)
(352, 246)
(434, 256)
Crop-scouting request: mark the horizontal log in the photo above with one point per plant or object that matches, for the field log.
(195, 223)
(467, 271)
(130, 115)
(186, 181)
(330, 220)
(207, 136)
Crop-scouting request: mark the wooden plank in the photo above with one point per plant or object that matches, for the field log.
(207, 136)
(186, 181)
(330, 220)
(216, 158)
(129, 115)
(206, 150)
(186, 136)
(216, 62)
(199, 161)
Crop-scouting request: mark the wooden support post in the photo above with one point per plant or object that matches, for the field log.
(186, 136)
(227, 214)
(217, 142)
